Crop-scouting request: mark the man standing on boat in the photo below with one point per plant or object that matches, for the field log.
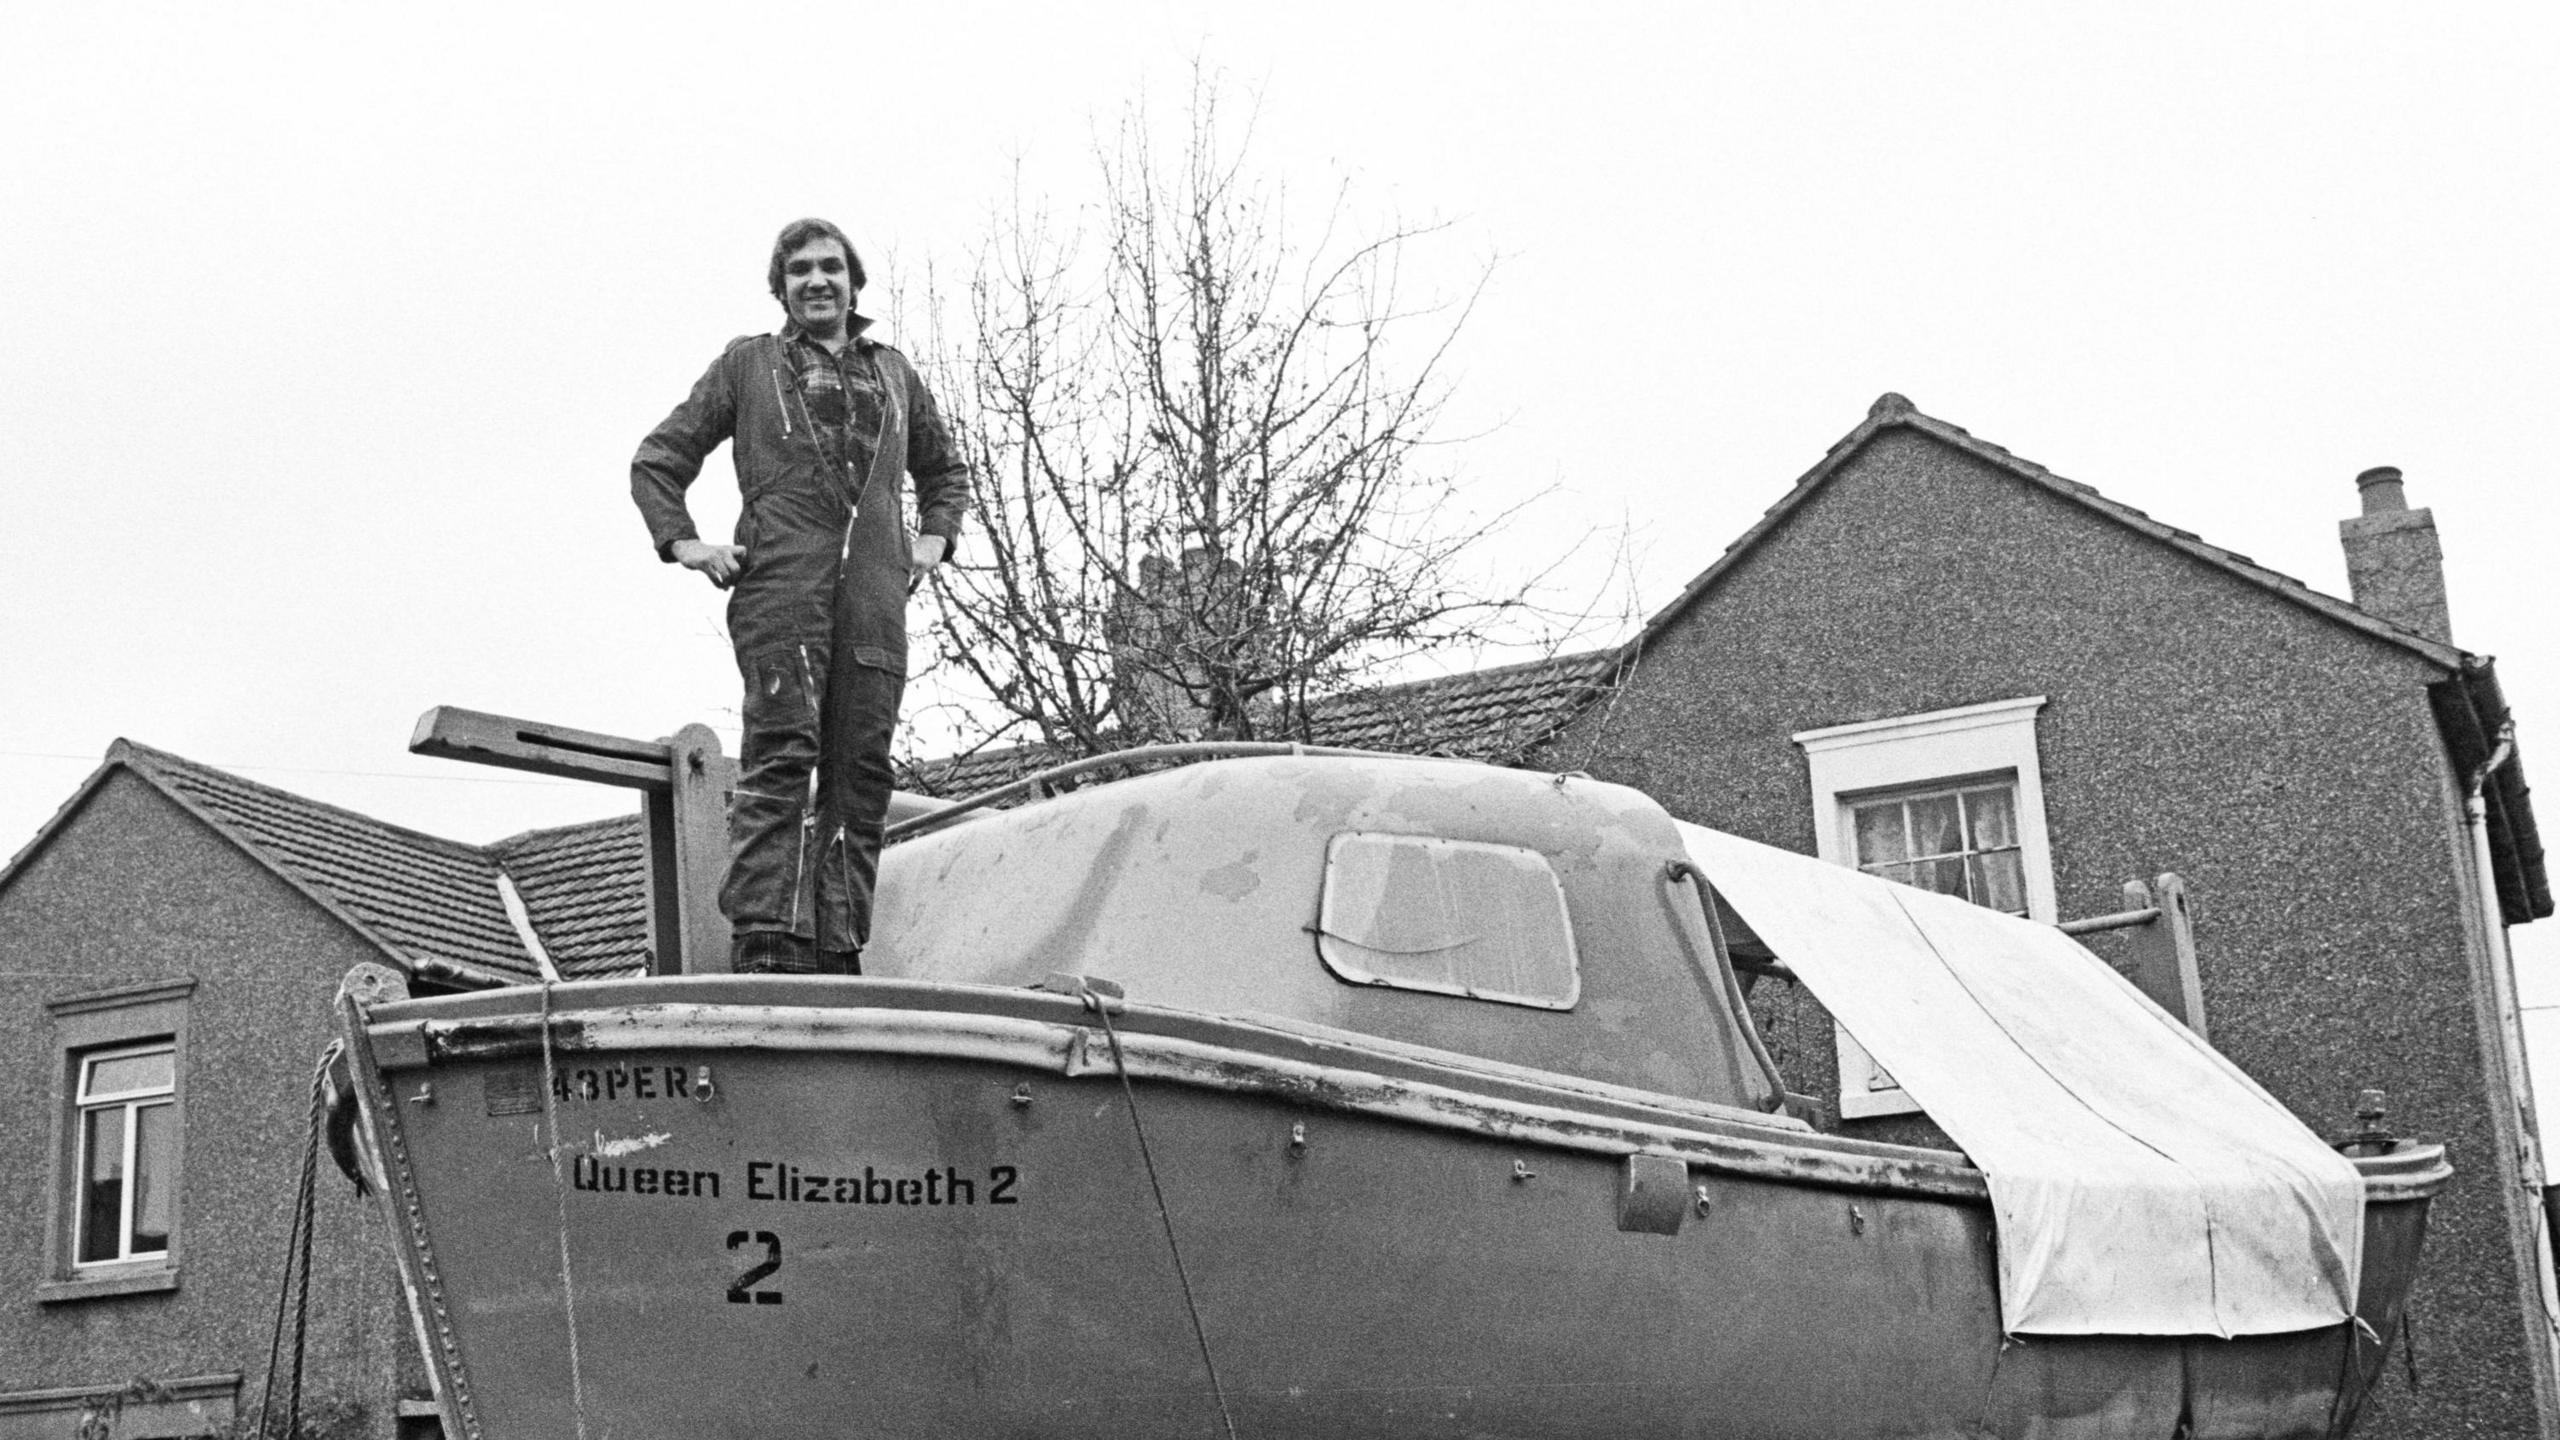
(823, 423)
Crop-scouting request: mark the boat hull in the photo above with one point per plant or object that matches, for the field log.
(872, 1209)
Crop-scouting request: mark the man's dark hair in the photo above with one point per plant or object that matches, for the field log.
(801, 232)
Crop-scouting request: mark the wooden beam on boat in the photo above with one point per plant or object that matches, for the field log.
(684, 783)
(453, 733)
(2122, 919)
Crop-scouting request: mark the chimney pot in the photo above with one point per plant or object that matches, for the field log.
(2380, 487)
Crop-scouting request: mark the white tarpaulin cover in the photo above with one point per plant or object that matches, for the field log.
(2141, 1184)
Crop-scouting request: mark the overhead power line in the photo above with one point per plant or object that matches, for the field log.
(311, 770)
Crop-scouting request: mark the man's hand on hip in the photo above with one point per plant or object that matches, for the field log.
(925, 557)
(721, 562)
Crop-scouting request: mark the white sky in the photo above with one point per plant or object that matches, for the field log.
(325, 338)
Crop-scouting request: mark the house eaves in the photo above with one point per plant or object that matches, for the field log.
(2471, 712)
(1892, 412)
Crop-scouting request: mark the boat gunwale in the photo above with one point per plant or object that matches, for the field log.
(1236, 1055)
(1048, 1003)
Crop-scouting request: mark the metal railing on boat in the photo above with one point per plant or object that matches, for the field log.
(1118, 759)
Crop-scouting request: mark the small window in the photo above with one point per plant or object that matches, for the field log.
(128, 1161)
(1951, 801)
(1956, 841)
(117, 1216)
(1455, 917)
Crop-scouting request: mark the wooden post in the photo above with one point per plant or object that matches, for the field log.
(2161, 957)
(2179, 926)
(703, 779)
(684, 784)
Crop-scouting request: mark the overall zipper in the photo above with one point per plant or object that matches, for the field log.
(800, 877)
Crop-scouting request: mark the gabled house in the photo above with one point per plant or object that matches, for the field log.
(1946, 664)
(169, 946)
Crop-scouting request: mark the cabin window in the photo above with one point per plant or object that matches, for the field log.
(1454, 917)
(120, 1067)
(1951, 801)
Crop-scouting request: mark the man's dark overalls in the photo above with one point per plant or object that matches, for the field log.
(818, 615)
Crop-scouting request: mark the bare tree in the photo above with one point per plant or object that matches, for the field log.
(1201, 447)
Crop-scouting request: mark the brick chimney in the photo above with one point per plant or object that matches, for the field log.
(1146, 667)
(2395, 568)
(1164, 633)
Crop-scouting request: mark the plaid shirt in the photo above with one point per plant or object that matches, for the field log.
(840, 394)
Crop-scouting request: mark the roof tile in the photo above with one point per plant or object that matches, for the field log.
(426, 897)
(586, 891)
(1496, 715)
(430, 898)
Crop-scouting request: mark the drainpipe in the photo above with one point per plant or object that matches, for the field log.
(2493, 930)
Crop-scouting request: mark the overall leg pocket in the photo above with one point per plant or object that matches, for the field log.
(782, 693)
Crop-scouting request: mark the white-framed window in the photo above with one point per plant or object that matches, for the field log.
(127, 1166)
(119, 1126)
(1952, 801)
(1959, 840)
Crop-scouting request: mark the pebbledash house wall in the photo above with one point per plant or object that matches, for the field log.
(2285, 764)
(130, 891)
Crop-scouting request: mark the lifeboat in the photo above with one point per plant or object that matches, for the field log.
(1341, 1096)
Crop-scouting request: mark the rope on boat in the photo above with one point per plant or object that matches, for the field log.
(560, 1207)
(1991, 1387)
(293, 1288)
(2347, 1400)
(1095, 1003)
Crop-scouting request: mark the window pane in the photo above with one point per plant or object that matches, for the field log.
(1880, 833)
(155, 1167)
(102, 1184)
(126, 1074)
(1898, 874)
(1935, 826)
(1457, 917)
(2000, 882)
(1994, 814)
(1960, 842)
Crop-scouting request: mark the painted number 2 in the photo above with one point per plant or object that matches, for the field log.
(739, 1291)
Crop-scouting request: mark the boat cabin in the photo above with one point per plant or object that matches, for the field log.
(1547, 922)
